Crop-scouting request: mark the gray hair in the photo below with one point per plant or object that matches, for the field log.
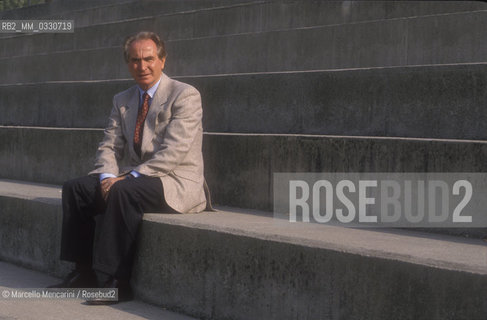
(144, 35)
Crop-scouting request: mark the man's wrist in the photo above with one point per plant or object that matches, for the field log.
(134, 174)
(103, 176)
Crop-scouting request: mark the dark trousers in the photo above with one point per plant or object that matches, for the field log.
(102, 233)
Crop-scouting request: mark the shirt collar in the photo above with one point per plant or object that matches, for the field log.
(151, 91)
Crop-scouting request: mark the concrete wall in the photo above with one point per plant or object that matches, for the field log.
(239, 167)
(274, 102)
(236, 265)
(417, 40)
(240, 277)
(435, 102)
(30, 234)
(444, 102)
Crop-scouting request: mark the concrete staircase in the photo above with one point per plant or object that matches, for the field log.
(287, 86)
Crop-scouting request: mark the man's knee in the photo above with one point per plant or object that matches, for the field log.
(120, 187)
(70, 185)
(81, 183)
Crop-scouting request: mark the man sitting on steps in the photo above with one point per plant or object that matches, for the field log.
(158, 122)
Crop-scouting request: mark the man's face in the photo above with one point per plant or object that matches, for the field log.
(144, 64)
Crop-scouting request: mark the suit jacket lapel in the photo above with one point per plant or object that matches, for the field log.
(131, 118)
(157, 104)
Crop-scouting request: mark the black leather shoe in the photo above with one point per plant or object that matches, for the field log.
(124, 292)
(78, 279)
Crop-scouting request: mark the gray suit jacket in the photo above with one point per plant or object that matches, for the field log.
(171, 144)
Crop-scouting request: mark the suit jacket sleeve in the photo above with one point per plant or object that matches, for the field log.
(111, 149)
(179, 134)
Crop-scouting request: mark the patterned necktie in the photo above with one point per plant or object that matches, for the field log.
(139, 126)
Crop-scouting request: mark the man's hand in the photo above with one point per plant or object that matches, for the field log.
(106, 184)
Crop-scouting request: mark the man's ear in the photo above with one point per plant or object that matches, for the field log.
(163, 63)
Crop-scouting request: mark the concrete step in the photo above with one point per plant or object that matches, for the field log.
(444, 102)
(430, 40)
(140, 15)
(93, 12)
(82, 104)
(399, 42)
(240, 264)
(58, 7)
(297, 13)
(243, 177)
(232, 18)
(88, 12)
(14, 278)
